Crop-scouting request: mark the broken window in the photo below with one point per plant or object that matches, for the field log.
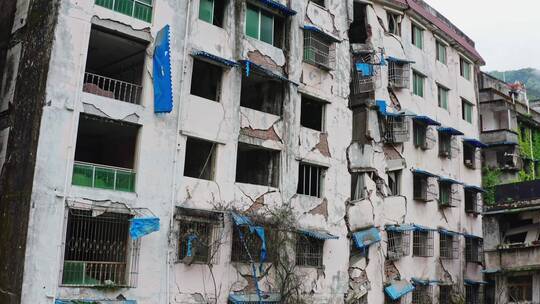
(212, 11)
(465, 68)
(448, 245)
(396, 128)
(97, 249)
(442, 96)
(358, 186)
(445, 194)
(441, 51)
(264, 26)
(318, 50)
(417, 36)
(199, 235)
(418, 84)
(398, 244)
(474, 250)
(309, 251)
(445, 294)
(394, 182)
(422, 294)
(256, 165)
(140, 9)
(312, 113)
(250, 249)
(105, 154)
(200, 158)
(310, 180)
(114, 65)
(399, 74)
(467, 110)
(423, 243)
(445, 145)
(473, 294)
(262, 94)
(473, 201)
(358, 28)
(520, 289)
(394, 23)
(206, 80)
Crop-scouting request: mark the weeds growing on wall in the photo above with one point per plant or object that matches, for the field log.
(491, 177)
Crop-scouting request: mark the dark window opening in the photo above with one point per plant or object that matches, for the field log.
(445, 194)
(358, 186)
(250, 246)
(358, 29)
(310, 180)
(259, 166)
(420, 187)
(114, 66)
(212, 11)
(419, 133)
(200, 157)
(422, 243)
(469, 156)
(445, 294)
(319, 2)
(195, 241)
(471, 201)
(422, 294)
(206, 80)
(472, 294)
(394, 182)
(448, 245)
(445, 145)
(520, 289)
(262, 94)
(474, 250)
(312, 113)
(394, 23)
(309, 251)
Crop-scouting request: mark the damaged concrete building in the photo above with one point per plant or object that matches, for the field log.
(238, 151)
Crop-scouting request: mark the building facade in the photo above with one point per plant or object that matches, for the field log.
(292, 151)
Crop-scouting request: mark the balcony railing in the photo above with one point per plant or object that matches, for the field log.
(498, 136)
(82, 273)
(112, 88)
(140, 9)
(103, 177)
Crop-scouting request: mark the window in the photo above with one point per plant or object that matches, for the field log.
(472, 201)
(445, 294)
(423, 137)
(394, 23)
(263, 25)
(250, 246)
(310, 180)
(420, 187)
(399, 244)
(399, 74)
(417, 36)
(465, 68)
(520, 289)
(319, 2)
(105, 154)
(394, 182)
(472, 294)
(441, 51)
(262, 94)
(442, 97)
(448, 245)
(199, 161)
(97, 249)
(473, 250)
(358, 28)
(140, 9)
(418, 84)
(206, 80)
(423, 243)
(318, 50)
(396, 129)
(445, 194)
(212, 11)
(309, 251)
(470, 156)
(445, 145)
(466, 111)
(358, 186)
(312, 113)
(257, 165)
(422, 294)
(199, 234)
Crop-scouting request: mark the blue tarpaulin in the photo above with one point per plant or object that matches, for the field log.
(365, 238)
(449, 180)
(425, 282)
(214, 58)
(426, 120)
(400, 228)
(365, 68)
(267, 298)
(277, 6)
(490, 271)
(398, 289)
(260, 233)
(190, 240)
(253, 67)
(473, 282)
(163, 97)
(397, 60)
(470, 236)
(474, 188)
(240, 220)
(318, 235)
(474, 142)
(317, 30)
(449, 131)
(448, 232)
(77, 301)
(423, 172)
(142, 226)
(422, 228)
(382, 106)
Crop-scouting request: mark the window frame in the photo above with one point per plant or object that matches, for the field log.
(260, 12)
(465, 68)
(396, 190)
(358, 180)
(474, 250)
(304, 247)
(443, 91)
(445, 194)
(423, 243)
(525, 283)
(467, 115)
(398, 243)
(445, 145)
(448, 246)
(417, 36)
(441, 46)
(397, 19)
(319, 186)
(419, 87)
(211, 21)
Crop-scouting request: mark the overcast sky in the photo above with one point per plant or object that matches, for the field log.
(506, 33)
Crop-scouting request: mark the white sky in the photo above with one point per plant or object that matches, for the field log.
(506, 33)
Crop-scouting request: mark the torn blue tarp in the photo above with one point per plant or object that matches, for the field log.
(163, 96)
(260, 233)
(423, 172)
(84, 301)
(241, 220)
(473, 282)
(426, 120)
(318, 235)
(365, 238)
(474, 142)
(400, 228)
(366, 69)
(249, 67)
(449, 131)
(267, 298)
(398, 289)
(142, 226)
(277, 6)
(397, 60)
(319, 31)
(448, 232)
(422, 228)
(190, 239)
(382, 106)
(474, 188)
(448, 180)
(216, 59)
(425, 282)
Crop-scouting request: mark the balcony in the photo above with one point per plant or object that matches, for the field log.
(499, 136)
(103, 177)
(112, 88)
(517, 258)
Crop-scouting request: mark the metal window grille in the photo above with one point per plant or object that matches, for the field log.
(399, 74)
(318, 50)
(310, 180)
(424, 137)
(358, 187)
(473, 202)
(309, 251)
(398, 244)
(474, 251)
(449, 246)
(200, 246)
(423, 243)
(98, 250)
(360, 83)
(473, 294)
(520, 289)
(405, 299)
(112, 88)
(396, 129)
(250, 247)
(445, 294)
(423, 189)
(422, 294)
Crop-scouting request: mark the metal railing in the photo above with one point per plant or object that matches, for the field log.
(103, 177)
(84, 273)
(140, 9)
(112, 88)
(317, 50)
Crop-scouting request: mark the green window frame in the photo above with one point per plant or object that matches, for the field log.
(445, 193)
(441, 52)
(206, 10)
(418, 84)
(466, 110)
(418, 36)
(259, 24)
(465, 68)
(442, 96)
(139, 9)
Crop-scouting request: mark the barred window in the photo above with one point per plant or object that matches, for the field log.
(473, 294)
(396, 129)
(422, 294)
(318, 50)
(420, 187)
(250, 247)
(474, 250)
(520, 289)
(194, 242)
(398, 244)
(473, 202)
(309, 251)
(422, 243)
(445, 294)
(445, 194)
(399, 74)
(449, 246)
(310, 180)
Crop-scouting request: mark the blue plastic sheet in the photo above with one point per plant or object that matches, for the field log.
(423, 172)
(214, 58)
(260, 233)
(318, 235)
(142, 226)
(474, 142)
(449, 131)
(278, 6)
(398, 289)
(400, 228)
(382, 106)
(365, 238)
(190, 240)
(365, 68)
(163, 97)
(426, 120)
(241, 220)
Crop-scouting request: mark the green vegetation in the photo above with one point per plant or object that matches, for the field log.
(490, 179)
(530, 77)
